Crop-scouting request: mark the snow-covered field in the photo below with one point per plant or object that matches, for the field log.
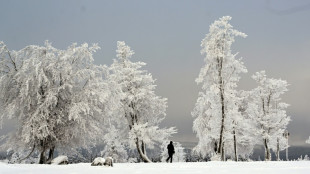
(294, 167)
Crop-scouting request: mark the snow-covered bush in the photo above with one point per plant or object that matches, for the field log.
(195, 156)
(306, 158)
(132, 160)
(108, 161)
(14, 158)
(99, 161)
(215, 157)
(22, 156)
(60, 160)
(115, 145)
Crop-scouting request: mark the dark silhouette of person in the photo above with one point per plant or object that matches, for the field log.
(170, 148)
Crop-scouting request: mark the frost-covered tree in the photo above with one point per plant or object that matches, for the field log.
(115, 144)
(141, 107)
(216, 105)
(116, 137)
(242, 138)
(267, 110)
(21, 156)
(278, 143)
(58, 97)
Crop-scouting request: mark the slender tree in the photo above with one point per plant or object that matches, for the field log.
(217, 103)
(242, 138)
(278, 143)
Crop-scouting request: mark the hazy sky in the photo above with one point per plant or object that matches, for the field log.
(166, 34)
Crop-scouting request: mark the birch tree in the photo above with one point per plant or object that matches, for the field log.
(216, 104)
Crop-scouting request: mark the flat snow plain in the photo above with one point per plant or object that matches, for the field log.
(292, 167)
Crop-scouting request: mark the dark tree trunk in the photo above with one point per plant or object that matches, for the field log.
(223, 155)
(278, 150)
(221, 88)
(51, 155)
(215, 146)
(220, 149)
(267, 151)
(42, 159)
(43, 148)
(143, 148)
(235, 146)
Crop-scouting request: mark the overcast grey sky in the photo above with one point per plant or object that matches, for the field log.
(166, 34)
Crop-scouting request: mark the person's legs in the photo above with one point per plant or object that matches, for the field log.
(171, 158)
(168, 158)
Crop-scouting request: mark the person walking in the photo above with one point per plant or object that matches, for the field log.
(170, 148)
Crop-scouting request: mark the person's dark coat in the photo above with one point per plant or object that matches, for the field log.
(170, 148)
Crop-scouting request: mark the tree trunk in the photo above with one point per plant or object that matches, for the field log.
(286, 136)
(221, 88)
(278, 150)
(223, 155)
(267, 151)
(51, 155)
(220, 149)
(142, 155)
(42, 159)
(143, 148)
(215, 146)
(235, 146)
(286, 154)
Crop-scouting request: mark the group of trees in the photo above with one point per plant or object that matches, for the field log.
(229, 121)
(61, 99)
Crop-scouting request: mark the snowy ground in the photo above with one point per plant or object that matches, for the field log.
(294, 167)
